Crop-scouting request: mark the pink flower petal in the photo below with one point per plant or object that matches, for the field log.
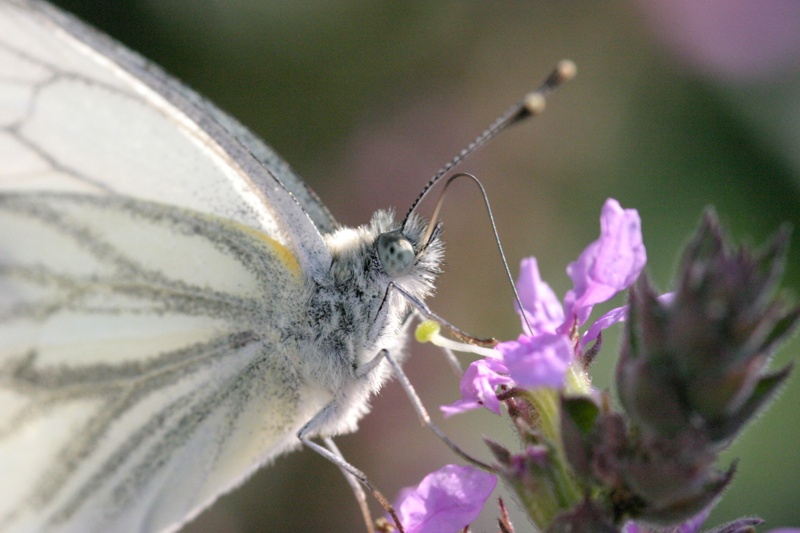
(539, 361)
(478, 387)
(539, 302)
(618, 314)
(608, 265)
(446, 500)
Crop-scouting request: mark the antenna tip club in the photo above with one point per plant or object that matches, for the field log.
(534, 103)
(565, 71)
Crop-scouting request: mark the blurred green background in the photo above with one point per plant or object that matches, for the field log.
(677, 106)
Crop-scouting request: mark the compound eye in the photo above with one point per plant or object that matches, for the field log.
(395, 253)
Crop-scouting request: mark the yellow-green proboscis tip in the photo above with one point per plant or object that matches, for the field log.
(426, 331)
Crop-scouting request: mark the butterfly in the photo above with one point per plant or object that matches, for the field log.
(175, 304)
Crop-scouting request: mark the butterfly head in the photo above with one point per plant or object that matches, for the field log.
(384, 251)
(395, 253)
(408, 254)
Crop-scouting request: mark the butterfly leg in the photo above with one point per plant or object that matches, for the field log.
(425, 311)
(352, 474)
(425, 418)
(361, 497)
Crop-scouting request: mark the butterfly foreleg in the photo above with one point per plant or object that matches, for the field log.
(425, 311)
(416, 402)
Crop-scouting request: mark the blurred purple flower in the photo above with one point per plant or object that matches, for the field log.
(739, 40)
(446, 500)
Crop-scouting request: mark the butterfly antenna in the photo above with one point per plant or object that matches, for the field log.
(531, 105)
(494, 230)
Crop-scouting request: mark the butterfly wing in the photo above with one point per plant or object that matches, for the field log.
(153, 257)
(82, 113)
(142, 373)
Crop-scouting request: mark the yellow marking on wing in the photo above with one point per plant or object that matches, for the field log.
(285, 255)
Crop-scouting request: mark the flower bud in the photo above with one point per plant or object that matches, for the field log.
(692, 372)
(699, 359)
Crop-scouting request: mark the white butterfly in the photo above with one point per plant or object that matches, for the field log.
(175, 304)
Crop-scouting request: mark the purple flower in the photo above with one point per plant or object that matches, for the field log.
(478, 385)
(541, 356)
(608, 265)
(540, 306)
(618, 314)
(738, 41)
(539, 361)
(446, 500)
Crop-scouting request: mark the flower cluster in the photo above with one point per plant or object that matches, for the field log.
(691, 373)
(550, 344)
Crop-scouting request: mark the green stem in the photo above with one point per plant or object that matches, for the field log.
(556, 489)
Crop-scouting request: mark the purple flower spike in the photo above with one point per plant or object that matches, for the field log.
(446, 500)
(540, 305)
(608, 265)
(539, 361)
(478, 387)
(541, 356)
